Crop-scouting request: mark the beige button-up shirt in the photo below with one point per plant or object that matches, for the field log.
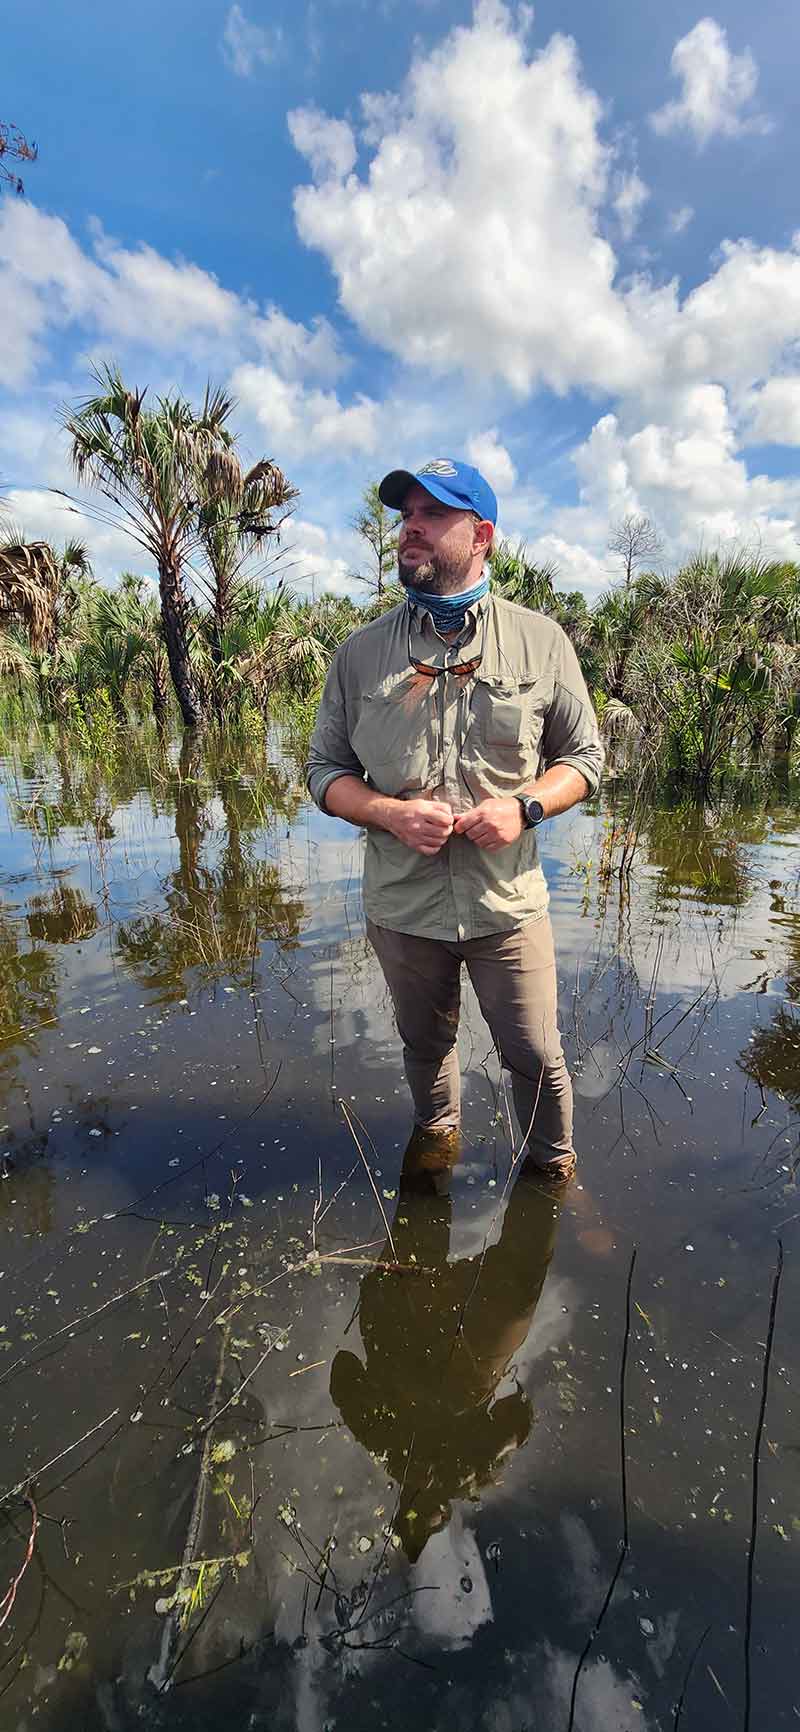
(459, 739)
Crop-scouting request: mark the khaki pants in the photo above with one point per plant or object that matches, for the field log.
(514, 976)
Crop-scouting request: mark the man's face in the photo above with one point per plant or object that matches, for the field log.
(440, 549)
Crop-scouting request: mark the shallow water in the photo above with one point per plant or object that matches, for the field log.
(310, 1447)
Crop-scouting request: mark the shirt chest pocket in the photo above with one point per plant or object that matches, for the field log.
(396, 733)
(508, 722)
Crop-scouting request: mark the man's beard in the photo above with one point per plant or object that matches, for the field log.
(439, 575)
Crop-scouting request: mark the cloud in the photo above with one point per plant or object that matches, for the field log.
(311, 563)
(718, 88)
(775, 415)
(493, 460)
(296, 420)
(44, 516)
(299, 350)
(678, 220)
(465, 216)
(328, 144)
(113, 292)
(141, 301)
(688, 477)
(32, 447)
(576, 566)
(472, 239)
(629, 202)
(246, 45)
(528, 293)
(736, 326)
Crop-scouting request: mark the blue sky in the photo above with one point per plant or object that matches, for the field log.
(558, 240)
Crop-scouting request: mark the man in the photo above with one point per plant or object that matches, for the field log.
(449, 728)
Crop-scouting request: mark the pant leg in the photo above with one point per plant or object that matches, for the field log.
(424, 979)
(514, 976)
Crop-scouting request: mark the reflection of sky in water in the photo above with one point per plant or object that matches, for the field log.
(679, 1155)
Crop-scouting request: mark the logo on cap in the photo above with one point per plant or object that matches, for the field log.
(439, 466)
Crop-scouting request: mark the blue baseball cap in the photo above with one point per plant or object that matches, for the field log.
(456, 484)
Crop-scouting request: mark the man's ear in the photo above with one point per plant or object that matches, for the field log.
(482, 536)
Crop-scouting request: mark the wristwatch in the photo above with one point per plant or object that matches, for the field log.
(532, 811)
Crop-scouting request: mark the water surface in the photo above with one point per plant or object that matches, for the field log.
(310, 1445)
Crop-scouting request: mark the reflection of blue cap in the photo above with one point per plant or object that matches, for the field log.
(456, 484)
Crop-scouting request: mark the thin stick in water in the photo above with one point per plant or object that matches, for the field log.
(751, 1553)
(384, 1218)
(625, 1543)
(7, 1602)
(36, 1473)
(687, 1676)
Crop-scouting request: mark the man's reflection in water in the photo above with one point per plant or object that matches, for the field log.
(437, 1344)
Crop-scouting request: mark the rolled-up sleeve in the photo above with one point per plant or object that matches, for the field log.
(571, 735)
(330, 753)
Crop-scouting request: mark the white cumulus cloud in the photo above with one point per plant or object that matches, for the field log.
(493, 460)
(296, 420)
(717, 88)
(311, 563)
(328, 144)
(775, 415)
(472, 239)
(688, 476)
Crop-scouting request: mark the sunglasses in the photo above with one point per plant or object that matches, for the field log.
(462, 670)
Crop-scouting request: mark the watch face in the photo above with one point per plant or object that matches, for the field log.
(534, 813)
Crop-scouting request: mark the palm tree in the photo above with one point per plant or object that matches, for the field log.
(153, 465)
(144, 613)
(298, 651)
(39, 587)
(239, 514)
(112, 648)
(519, 579)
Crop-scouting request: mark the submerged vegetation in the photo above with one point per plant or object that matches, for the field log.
(695, 674)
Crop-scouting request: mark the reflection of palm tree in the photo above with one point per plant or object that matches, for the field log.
(215, 916)
(772, 1056)
(437, 1345)
(704, 849)
(63, 917)
(28, 995)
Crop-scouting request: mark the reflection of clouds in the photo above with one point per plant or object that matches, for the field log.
(604, 1699)
(534, 1691)
(583, 1568)
(595, 1075)
(454, 1600)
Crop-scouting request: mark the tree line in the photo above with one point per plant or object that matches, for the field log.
(695, 674)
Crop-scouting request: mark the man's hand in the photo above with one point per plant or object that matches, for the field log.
(492, 824)
(423, 825)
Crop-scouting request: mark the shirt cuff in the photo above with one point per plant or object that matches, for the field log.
(588, 767)
(319, 782)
